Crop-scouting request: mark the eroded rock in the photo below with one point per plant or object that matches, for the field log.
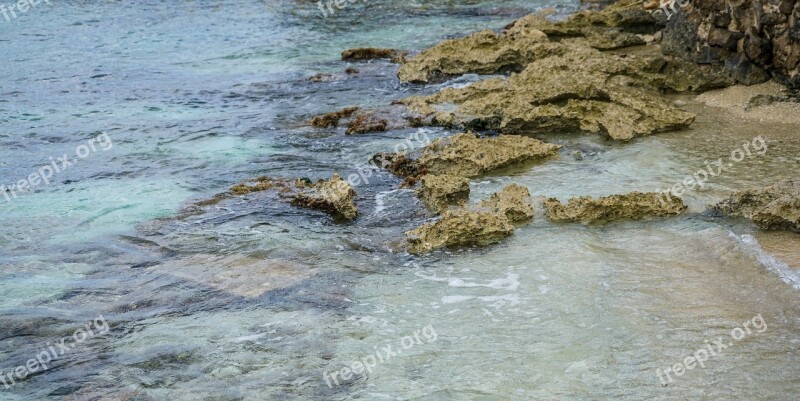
(514, 201)
(439, 192)
(525, 40)
(467, 155)
(634, 206)
(459, 228)
(575, 88)
(334, 196)
(776, 207)
(332, 119)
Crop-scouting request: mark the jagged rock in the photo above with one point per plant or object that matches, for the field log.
(438, 192)
(514, 201)
(466, 155)
(459, 228)
(334, 196)
(484, 52)
(332, 119)
(635, 205)
(751, 40)
(526, 40)
(574, 88)
(776, 207)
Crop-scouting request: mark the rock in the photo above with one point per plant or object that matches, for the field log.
(776, 207)
(459, 228)
(438, 192)
(682, 76)
(351, 71)
(635, 205)
(483, 53)
(466, 155)
(573, 88)
(370, 53)
(321, 77)
(332, 119)
(514, 201)
(750, 40)
(526, 39)
(334, 196)
(366, 123)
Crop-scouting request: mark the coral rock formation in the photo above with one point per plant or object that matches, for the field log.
(635, 205)
(776, 207)
(438, 192)
(514, 201)
(459, 228)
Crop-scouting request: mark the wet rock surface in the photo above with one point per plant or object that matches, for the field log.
(633, 206)
(438, 192)
(459, 228)
(334, 196)
(514, 202)
(776, 207)
(372, 53)
(570, 87)
(467, 155)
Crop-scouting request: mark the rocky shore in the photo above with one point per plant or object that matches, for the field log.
(604, 71)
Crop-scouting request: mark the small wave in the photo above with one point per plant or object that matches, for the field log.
(787, 274)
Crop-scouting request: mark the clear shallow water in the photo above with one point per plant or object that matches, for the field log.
(257, 300)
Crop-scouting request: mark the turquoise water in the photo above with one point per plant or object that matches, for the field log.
(253, 299)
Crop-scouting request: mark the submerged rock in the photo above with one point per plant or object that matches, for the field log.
(366, 123)
(466, 155)
(459, 228)
(438, 192)
(776, 207)
(371, 53)
(514, 201)
(635, 205)
(332, 119)
(334, 196)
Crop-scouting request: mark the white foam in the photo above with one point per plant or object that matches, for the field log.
(509, 283)
(787, 274)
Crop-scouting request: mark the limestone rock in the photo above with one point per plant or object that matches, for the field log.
(334, 196)
(332, 119)
(573, 88)
(776, 207)
(635, 205)
(438, 192)
(514, 201)
(459, 228)
(370, 53)
(466, 155)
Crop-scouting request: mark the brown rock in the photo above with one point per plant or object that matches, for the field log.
(635, 205)
(776, 207)
(368, 53)
(366, 123)
(438, 192)
(332, 119)
(514, 201)
(459, 228)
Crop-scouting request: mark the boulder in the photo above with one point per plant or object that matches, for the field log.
(634, 206)
(776, 207)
